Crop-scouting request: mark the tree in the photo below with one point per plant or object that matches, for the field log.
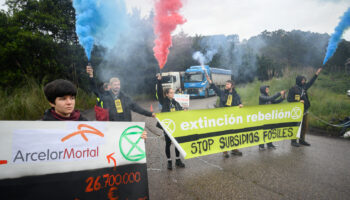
(39, 40)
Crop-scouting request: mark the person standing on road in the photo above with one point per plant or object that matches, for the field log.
(119, 105)
(228, 97)
(169, 104)
(298, 93)
(264, 98)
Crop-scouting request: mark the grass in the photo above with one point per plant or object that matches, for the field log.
(29, 102)
(328, 98)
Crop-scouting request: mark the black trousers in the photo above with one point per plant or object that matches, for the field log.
(304, 128)
(167, 147)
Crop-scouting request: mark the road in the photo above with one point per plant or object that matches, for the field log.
(321, 171)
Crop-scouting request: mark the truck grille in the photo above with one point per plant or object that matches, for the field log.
(192, 91)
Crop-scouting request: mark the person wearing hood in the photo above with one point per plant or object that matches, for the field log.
(298, 93)
(169, 104)
(228, 97)
(264, 98)
(61, 96)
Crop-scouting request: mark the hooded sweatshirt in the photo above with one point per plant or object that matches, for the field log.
(299, 91)
(264, 98)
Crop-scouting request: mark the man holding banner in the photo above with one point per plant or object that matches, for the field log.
(228, 97)
(119, 105)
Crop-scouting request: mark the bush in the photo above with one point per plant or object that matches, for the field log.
(29, 102)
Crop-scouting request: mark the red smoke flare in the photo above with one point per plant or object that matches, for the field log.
(165, 21)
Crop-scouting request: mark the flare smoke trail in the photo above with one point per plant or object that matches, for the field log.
(336, 36)
(99, 22)
(204, 59)
(166, 19)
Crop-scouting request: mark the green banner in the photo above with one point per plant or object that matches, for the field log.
(208, 131)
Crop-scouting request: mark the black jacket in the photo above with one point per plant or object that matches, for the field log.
(97, 92)
(128, 104)
(223, 94)
(266, 99)
(49, 117)
(299, 91)
(166, 103)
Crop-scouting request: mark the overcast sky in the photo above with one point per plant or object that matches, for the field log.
(250, 17)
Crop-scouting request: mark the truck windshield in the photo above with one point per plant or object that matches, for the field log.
(193, 77)
(167, 79)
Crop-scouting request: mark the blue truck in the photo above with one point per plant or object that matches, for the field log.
(196, 84)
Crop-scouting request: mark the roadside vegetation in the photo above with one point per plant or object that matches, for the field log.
(29, 102)
(329, 101)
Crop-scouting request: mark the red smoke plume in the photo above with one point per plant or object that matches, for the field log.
(165, 21)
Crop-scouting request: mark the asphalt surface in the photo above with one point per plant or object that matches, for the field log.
(321, 171)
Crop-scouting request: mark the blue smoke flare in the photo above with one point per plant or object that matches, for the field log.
(99, 22)
(336, 36)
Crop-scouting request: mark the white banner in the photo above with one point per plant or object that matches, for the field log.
(183, 99)
(30, 148)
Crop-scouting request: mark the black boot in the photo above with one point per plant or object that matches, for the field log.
(170, 165)
(271, 146)
(226, 154)
(303, 142)
(236, 152)
(294, 143)
(179, 163)
(261, 147)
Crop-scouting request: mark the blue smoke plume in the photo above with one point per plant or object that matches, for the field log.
(336, 36)
(99, 22)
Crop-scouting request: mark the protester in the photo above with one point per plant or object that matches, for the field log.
(228, 97)
(179, 91)
(94, 88)
(298, 93)
(264, 98)
(118, 104)
(61, 96)
(169, 104)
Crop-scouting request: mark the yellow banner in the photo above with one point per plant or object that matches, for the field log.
(203, 132)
